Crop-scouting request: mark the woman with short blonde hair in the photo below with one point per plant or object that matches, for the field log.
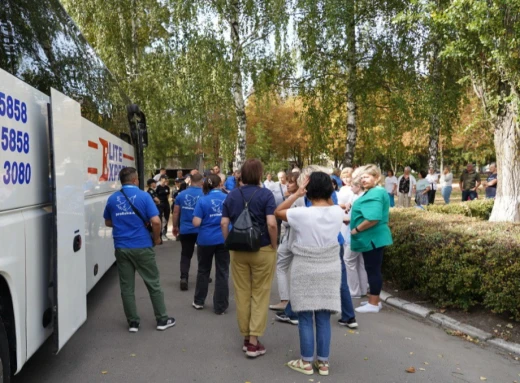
(370, 232)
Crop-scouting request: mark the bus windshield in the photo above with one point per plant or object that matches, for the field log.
(41, 45)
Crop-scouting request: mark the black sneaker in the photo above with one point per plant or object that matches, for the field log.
(284, 318)
(184, 284)
(351, 323)
(133, 327)
(165, 324)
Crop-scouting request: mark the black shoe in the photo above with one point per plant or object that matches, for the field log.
(284, 318)
(133, 327)
(184, 284)
(351, 323)
(165, 324)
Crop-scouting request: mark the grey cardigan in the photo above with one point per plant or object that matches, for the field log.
(315, 278)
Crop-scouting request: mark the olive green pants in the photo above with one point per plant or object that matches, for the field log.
(143, 261)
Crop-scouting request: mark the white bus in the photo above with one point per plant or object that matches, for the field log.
(66, 130)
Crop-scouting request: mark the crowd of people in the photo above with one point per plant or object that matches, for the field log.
(423, 189)
(312, 228)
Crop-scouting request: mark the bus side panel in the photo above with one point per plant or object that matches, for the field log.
(12, 266)
(105, 155)
(38, 224)
(98, 240)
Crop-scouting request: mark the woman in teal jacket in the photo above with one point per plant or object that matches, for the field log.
(370, 231)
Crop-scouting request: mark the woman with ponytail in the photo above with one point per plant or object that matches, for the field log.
(210, 243)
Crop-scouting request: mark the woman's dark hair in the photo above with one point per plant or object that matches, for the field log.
(211, 182)
(334, 184)
(183, 186)
(423, 173)
(252, 172)
(319, 186)
(390, 171)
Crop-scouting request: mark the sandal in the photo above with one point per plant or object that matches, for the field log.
(322, 367)
(300, 366)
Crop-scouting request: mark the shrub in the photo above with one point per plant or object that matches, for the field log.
(479, 208)
(454, 260)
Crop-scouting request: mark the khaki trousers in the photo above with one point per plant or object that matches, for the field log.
(403, 200)
(252, 277)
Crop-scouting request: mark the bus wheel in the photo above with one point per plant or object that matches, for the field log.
(5, 365)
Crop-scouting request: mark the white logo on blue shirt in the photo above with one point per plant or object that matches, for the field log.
(216, 206)
(190, 201)
(122, 203)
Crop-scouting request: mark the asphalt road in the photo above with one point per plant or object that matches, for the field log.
(204, 347)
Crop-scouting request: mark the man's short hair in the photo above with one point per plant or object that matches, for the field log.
(161, 169)
(127, 175)
(196, 178)
(163, 177)
(151, 181)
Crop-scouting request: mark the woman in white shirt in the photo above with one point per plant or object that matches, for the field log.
(315, 270)
(432, 179)
(446, 185)
(391, 186)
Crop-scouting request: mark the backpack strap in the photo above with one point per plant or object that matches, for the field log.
(246, 203)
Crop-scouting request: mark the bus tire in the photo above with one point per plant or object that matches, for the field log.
(5, 365)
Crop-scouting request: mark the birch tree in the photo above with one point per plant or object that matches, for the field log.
(487, 47)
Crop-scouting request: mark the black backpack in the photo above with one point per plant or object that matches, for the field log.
(245, 234)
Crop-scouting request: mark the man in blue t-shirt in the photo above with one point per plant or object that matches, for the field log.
(129, 212)
(183, 224)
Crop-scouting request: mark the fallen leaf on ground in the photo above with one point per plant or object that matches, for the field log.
(351, 331)
(408, 338)
(104, 372)
(311, 380)
(440, 356)
(132, 355)
(483, 378)
(411, 353)
(422, 369)
(442, 311)
(426, 363)
(509, 325)
(410, 370)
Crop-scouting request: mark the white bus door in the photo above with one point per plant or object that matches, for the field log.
(69, 266)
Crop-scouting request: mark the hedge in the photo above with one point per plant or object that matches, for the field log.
(479, 208)
(455, 260)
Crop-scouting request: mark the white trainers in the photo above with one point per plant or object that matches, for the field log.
(368, 308)
(364, 303)
(197, 307)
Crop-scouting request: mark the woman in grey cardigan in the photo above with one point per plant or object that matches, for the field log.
(315, 270)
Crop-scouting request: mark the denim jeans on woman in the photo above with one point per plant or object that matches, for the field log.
(323, 334)
(446, 193)
(347, 308)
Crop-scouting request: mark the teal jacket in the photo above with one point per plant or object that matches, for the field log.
(374, 205)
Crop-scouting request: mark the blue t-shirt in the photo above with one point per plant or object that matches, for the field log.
(129, 231)
(334, 197)
(260, 206)
(187, 200)
(491, 191)
(230, 183)
(209, 210)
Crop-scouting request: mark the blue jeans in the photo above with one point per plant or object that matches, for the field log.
(446, 193)
(392, 199)
(469, 194)
(288, 311)
(323, 334)
(347, 308)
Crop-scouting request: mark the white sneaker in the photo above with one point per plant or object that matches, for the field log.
(368, 308)
(364, 303)
(197, 307)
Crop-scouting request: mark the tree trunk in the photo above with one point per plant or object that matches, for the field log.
(238, 93)
(435, 124)
(507, 147)
(351, 92)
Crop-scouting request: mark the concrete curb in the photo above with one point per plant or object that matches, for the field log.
(450, 323)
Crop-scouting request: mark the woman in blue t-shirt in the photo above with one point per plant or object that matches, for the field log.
(210, 242)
